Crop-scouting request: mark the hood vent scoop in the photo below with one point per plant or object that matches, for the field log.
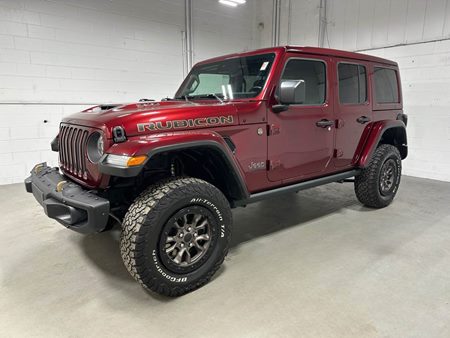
(101, 108)
(108, 106)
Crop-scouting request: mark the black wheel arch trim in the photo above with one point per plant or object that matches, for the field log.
(396, 124)
(234, 170)
(135, 171)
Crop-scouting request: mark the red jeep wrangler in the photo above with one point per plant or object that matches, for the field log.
(241, 128)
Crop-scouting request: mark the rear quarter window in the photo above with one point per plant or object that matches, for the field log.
(386, 85)
(352, 83)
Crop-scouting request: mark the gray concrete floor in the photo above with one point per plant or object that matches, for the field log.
(311, 264)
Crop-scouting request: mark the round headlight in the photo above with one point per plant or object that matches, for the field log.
(95, 147)
(100, 146)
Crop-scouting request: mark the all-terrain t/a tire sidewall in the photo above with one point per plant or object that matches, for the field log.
(367, 184)
(394, 155)
(154, 208)
(152, 238)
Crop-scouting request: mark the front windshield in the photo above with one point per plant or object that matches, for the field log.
(242, 77)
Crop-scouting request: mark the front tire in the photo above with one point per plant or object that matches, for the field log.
(378, 183)
(176, 235)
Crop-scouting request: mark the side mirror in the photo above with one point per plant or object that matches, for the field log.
(292, 91)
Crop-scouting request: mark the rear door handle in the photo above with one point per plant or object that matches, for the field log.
(324, 123)
(363, 119)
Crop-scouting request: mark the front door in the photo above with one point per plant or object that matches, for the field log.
(353, 111)
(300, 142)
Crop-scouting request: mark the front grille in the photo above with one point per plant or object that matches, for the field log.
(72, 149)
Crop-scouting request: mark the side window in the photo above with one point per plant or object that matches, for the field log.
(352, 83)
(312, 73)
(386, 85)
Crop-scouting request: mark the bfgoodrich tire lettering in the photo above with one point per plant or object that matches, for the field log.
(369, 186)
(143, 228)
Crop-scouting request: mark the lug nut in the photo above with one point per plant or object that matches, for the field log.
(195, 235)
(189, 229)
(182, 245)
(190, 244)
(181, 235)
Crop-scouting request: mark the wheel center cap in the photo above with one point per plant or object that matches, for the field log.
(187, 238)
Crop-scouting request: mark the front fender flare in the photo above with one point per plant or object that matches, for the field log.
(159, 143)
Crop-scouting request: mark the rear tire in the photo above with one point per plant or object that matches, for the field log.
(378, 183)
(175, 235)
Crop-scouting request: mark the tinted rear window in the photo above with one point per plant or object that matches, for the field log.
(352, 83)
(386, 85)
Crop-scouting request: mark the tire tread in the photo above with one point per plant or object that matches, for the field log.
(366, 183)
(143, 214)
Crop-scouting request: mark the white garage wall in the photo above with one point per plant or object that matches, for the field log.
(425, 72)
(366, 24)
(406, 26)
(305, 29)
(60, 56)
(416, 34)
(219, 29)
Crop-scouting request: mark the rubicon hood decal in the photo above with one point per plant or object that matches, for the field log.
(166, 116)
(183, 124)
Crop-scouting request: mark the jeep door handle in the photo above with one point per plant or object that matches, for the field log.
(363, 119)
(324, 123)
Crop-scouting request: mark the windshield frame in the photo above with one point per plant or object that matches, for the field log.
(260, 96)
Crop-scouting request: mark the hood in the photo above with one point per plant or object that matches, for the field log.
(143, 118)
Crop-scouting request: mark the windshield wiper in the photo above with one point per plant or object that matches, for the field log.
(200, 96)
(183, 97)
(213, 95)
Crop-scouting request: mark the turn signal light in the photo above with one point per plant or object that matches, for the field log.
(125, 161)
(138, 160)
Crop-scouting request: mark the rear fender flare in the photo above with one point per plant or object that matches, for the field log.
(377, 130)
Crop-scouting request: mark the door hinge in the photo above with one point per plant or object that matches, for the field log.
(338, 153)
(273, 129)
(273, 164)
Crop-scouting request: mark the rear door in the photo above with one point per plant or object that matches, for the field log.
(298, 146)
(353, 109)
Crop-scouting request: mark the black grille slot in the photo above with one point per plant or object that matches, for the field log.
(72, 150)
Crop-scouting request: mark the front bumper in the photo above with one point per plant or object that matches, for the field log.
(68, 203)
